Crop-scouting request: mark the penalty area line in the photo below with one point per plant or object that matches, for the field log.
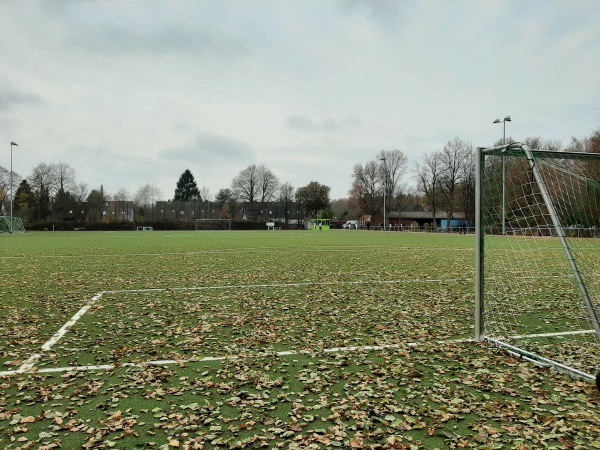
(280, 285)
(72, 321)
(167, 362)
(30, 363)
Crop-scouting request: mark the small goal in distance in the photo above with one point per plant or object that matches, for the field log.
(538, 256)
(11, 225)
(212, 224)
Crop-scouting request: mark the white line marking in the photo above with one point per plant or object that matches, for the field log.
(234, 251)
(30, 363)
(60, 333)
(166, 362)
(279, 285)
(559, 333)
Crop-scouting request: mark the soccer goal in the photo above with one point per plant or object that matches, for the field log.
(11, 225)
(144, 229)
(212, 224)
(538, 256)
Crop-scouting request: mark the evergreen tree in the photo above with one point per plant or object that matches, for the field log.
(24, 200)
(95, 202)
(23, 196)
(41, 208)
(187, 189)
(62, 204)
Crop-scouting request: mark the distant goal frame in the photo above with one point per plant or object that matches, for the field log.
(212, 224)
(11, 225)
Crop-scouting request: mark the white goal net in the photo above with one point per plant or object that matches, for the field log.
(212, 224)
(538, 255)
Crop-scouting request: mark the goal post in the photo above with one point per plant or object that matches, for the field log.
(11, 225)
(537, 286)
(212, 224)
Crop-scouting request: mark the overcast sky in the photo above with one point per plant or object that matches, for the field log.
(131, 92)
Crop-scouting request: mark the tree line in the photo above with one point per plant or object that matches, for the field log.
(51, 194)
(442, 180)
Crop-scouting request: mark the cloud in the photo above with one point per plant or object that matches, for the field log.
(10, 96)
(182, 126)
(387, 13)
(303, 123)
(167, 38)
(208, 147)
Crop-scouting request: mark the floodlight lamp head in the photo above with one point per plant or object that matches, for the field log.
(507, 119)
(496, 121)
(14, 143)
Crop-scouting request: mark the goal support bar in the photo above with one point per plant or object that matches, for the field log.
(479, 243)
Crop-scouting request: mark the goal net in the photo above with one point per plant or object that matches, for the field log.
(538, 255)
(212, 224)
(11, 225)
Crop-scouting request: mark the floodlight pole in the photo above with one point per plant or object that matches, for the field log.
(10, 227)
(384, 187)
(506, 119)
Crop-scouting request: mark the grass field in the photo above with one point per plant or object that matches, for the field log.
(264, 340)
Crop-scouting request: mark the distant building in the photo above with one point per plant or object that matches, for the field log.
(423, 218)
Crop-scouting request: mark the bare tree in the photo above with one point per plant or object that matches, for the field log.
(593, 145)
(81, 192)
(5, 187)
(245, 187)
(40, 177)
(537, 143)
(286, 199)
(204, 193)
(121, 209)
(365, 193)
(533, 142)
(553, 145)
(401, 197)
(577, 145)
(145, 198)
(122, 195)
(62, 178)
(499, 142)
(467, 187)
(268, 184)
(428, 173)
(392, 165)
(255, 184)
(455, 158)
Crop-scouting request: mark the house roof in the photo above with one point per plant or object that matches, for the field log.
(425, 215)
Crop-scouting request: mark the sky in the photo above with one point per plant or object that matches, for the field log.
(130, 92)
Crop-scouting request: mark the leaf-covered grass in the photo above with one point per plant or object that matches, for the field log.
(243, 297)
